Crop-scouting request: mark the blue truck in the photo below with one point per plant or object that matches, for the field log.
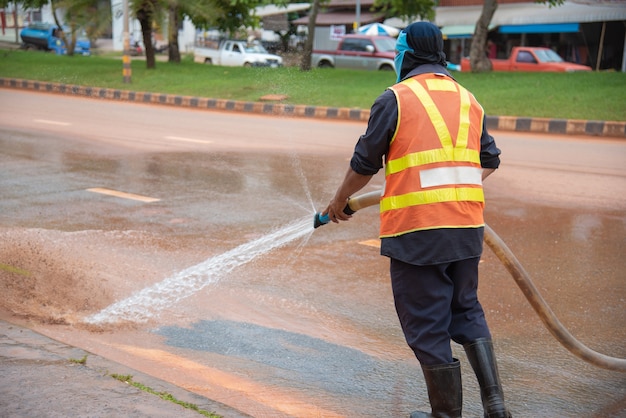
(47, 37)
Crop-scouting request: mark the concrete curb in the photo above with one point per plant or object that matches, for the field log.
(503, 123)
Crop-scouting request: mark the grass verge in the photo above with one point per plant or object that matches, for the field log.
(585, 95)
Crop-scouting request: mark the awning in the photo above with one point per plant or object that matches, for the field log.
(270, 9)
(458, 31)
(533, 13)
(545, 28)
(340, 18)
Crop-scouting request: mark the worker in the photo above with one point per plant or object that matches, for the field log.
(430, 133)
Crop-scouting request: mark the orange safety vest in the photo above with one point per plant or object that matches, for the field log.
(433, 171)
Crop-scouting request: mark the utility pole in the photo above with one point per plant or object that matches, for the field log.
(126, 70)
(357, 22)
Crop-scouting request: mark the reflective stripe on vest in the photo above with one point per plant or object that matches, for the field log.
(448, 151)
(442, 176)
(432, 180)
(431, 196)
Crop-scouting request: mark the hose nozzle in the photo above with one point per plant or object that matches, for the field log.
(319, 220)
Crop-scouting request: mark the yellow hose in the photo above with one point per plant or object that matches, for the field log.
(527, 286)
(364, 200)
(540, 306)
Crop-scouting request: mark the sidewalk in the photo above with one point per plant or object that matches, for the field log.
(614, 129)
(52, 383)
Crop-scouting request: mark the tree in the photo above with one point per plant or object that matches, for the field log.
(25, 4)
(225, 15)
(410, 10)
(478, 57)
(145, 12)
(478, 51)
(305, 64)
(407, 9)
(230, 15)
(69, 46)
(197, 10)
(75, 15)
(90, 16)
(173, 20)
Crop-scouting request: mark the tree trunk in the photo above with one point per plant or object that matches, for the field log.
(69, 46)
(478, 51)
(172, 35)
(305, 65)
(145, 20)
(71, 42)
(15, 23)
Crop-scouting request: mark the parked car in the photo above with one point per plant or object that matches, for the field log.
(525, 58)
(362, 52)
(235, 54)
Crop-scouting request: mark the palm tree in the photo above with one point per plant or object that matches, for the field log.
(78, 15)
(145, 12)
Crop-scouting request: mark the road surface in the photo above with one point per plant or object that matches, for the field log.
(159, 238)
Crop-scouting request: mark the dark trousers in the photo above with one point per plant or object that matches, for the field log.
(436, 304)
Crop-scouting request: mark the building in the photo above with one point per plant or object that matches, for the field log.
(585, 31)
(340, 17)
(591, 32)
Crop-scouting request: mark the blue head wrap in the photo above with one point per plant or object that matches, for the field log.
(401, 48)
(419, 43)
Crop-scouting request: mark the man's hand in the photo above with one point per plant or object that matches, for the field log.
(352, 183)
(335, 210)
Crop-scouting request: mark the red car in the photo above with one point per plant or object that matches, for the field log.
(525, 58)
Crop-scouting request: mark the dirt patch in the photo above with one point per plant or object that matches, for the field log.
(273, 97)
(38, 280)
(59, 277)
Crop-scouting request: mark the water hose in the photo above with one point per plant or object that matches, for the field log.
(524, 282)
(540, 306)
(354, 204)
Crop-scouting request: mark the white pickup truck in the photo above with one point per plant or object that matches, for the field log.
(233, 53)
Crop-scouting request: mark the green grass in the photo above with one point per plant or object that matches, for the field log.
(128, 379)
(589, 95)
(82, 360)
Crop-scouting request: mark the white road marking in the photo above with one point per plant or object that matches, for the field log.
(52, 122)
(123, 195)
(197, 141)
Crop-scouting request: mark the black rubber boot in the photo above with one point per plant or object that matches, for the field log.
(445, 392)
(483, 360)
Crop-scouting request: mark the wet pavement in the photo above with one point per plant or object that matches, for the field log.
(306, 329)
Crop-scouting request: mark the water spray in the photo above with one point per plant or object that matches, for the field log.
(523, 281)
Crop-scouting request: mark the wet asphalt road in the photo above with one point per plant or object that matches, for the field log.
(306, 329)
